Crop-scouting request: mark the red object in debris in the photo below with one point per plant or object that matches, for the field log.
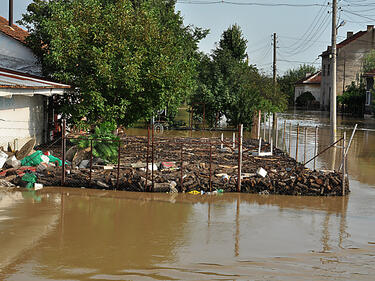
(47, 153)
(168, 164)
(21, 171)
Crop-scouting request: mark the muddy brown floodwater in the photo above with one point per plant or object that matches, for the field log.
(81, 234)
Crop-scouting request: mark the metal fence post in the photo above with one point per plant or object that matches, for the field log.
(315, 146)
(210, 181)
(276, 125)
(152, 158)
(259, 119)
(297, 142)
(148, 145)
(269, 128)
(240, 131)
(284, 144)
(343, 164)
(118, 163)
(305, 146)
(264, 126)
(182, 169)
(290, 139)
(90, 163)
(63, 144)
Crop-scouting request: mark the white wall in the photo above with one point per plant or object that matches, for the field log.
(14, 55)
(21, 118)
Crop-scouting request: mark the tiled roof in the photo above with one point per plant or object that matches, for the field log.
(347, 41)
(350, 39)
(13, 31)
(314, 78)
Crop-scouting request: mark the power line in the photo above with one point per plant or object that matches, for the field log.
(359, 15)
(250, 3)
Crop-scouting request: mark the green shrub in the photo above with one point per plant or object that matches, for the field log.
(353, 99)
(105, 148)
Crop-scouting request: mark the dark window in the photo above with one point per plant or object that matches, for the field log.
(324, 70)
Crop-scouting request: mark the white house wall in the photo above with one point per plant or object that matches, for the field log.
(313, 89)
(14, 55)
(21, 118)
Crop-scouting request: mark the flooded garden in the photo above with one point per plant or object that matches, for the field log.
(61, 233)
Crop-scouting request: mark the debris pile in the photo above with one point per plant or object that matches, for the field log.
(180, 165)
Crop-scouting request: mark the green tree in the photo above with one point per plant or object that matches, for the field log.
(229, 86)
(288, 80)
(353, 99)
(126, 59)
(369, 62)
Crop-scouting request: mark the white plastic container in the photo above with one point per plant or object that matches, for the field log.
(3, 158)
(261, 172)
(38, 186)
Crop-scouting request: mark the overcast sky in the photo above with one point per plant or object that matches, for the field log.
(303, 32)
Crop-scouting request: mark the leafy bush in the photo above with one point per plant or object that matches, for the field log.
(105, 148)
(353, 99)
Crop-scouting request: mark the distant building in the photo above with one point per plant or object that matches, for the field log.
(350, 53)
(25, 97)
(311, 83)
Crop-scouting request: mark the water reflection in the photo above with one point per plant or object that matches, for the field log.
(100, 233)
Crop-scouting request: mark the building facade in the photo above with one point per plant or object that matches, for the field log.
(311, 83)
(25, 96)
(350, 53)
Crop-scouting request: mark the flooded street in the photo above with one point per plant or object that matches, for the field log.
(82, 234)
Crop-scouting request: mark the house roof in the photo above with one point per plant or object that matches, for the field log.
(314, 78)
(13, 31)
(14, 82)
(346, 41)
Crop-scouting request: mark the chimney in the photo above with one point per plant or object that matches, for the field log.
(10, 12)
(349, 34)
(370, 27)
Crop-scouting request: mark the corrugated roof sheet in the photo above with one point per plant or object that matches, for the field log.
(15, 79)
(13, 31)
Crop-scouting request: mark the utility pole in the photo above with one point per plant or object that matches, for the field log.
(274, 77)
(333, 72)
(274, 61)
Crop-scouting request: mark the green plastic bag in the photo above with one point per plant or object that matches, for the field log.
(30, 178)
(53, 159)
(33, 159)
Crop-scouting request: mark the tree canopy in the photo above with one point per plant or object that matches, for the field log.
(230, 87)
(369, 62)
(125, 58)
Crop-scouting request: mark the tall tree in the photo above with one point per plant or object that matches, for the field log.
(230, 87)
(126, 58)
